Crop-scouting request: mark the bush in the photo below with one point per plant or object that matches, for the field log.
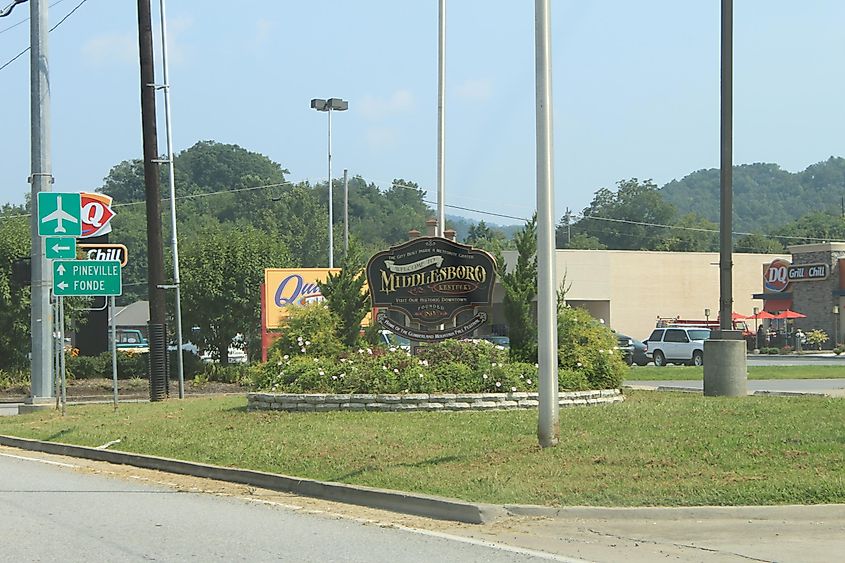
(787, 349)
(310, 331)
(16, 379)
(589, 347)
(242, 374)
(839, 349)
(816, 338)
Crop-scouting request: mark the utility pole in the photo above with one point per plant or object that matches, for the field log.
(441, 121)
(41, 179)
(568, 219)
(152, 189)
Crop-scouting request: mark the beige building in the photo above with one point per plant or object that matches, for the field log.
(630, 289)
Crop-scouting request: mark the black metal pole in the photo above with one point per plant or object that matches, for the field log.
(155, 248)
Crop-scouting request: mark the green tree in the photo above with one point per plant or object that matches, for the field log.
(14, 294)
(222, 267)
(346, 297)
(758, 244)
(520, 285)
(626, 219)
(691, 234)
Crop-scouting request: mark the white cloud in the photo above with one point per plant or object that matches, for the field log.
(263, 28)
(111, 48)
(475, 90)
(378, 108)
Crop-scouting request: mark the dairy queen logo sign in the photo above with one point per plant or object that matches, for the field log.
(96, 214)
(776, 276)
(431, 280)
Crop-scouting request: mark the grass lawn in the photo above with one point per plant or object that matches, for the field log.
(672, 372)
(653, 449)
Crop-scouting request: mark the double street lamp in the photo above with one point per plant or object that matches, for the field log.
(332, 104)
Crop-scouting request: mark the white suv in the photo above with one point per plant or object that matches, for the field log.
(678, 345)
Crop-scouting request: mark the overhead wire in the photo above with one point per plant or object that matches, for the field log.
(60, 22)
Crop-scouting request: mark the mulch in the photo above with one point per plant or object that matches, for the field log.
(102, 389)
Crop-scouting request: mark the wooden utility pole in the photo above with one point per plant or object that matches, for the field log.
(152, 188)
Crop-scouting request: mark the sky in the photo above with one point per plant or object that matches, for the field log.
(635, 86)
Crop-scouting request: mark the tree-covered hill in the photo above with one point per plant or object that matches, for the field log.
(766, 197)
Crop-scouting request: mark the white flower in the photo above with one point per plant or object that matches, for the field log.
(370, 351)
(494, 364)
(299, 339)
(342, 360)
(579, 364)
(392, 349)
(302, 349)
(421, 376)
(498, 384)
(521, 376)
(308, 343)
(601, 351)
(279, 363)
(384, 368)
(536, 365)
(333, 377)
(484, 376)
(528, 381)
(286, 357)
(324, 373)
(513, 389)
(395, 370)
(342, 375)
(360, 350)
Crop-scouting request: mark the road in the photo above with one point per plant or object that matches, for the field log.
(51, 512)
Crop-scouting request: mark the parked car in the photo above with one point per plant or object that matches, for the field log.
(502, 341)
(677, 345)
(131, 341)
(393, 340)
(633, 350)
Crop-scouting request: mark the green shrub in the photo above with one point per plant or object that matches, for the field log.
(241, 374)
(15, 379)
(88, 367)
(310, 331)
(816, 338)
(839, 349)
(587, 346)
(477, 354)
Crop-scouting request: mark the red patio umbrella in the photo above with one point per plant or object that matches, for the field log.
(788, 314)
(737, 316)
(763, 315)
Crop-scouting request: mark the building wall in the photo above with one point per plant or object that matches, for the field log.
(816, 298)
(636, 287)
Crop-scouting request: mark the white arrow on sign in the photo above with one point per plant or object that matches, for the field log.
(57, 247)
(61, 269)
(61, 285)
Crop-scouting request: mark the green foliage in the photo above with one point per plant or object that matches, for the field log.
(839, 349)
(241, 374)
(310, 332)
(624, 219)
(14, 297)
(346, 298)
(520, 285)
(14, 380)
(817, 338)
(477, 355)
(222, 270)
(100, 366)
(588, 347)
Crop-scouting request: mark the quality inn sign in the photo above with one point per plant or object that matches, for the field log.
(431, 280)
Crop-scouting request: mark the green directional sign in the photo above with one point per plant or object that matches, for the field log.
(59, 248)
(59, 214)
(86, 277)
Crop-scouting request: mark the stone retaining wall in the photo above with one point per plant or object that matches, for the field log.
(313, 402)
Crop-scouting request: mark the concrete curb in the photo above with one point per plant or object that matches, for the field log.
(758, 393)
(396, 501)
(768, 512)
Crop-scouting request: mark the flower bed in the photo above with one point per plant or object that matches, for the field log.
(411, 402)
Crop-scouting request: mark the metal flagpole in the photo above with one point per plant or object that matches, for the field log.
(174, 246)
(441, 121)
(548, 426)
(113, 348)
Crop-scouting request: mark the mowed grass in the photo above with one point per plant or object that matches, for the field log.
(672, 372)
(669, 449)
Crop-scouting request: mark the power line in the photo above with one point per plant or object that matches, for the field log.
(61, 21)
(26, 19)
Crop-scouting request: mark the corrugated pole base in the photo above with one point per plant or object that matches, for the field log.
(157, 366)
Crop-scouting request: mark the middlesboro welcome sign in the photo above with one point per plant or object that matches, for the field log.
(431, 280)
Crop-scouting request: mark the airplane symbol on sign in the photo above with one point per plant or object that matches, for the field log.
(59, 215)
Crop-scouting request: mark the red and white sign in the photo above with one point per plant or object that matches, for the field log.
(776, 276)
(96, 214)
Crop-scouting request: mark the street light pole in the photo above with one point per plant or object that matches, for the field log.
(336, 104)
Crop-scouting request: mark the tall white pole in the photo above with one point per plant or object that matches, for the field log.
(331, 209)
(113, 348)
(41, 179)
(174, 245)
(345, 212)
(548, 426)
(441, 121)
